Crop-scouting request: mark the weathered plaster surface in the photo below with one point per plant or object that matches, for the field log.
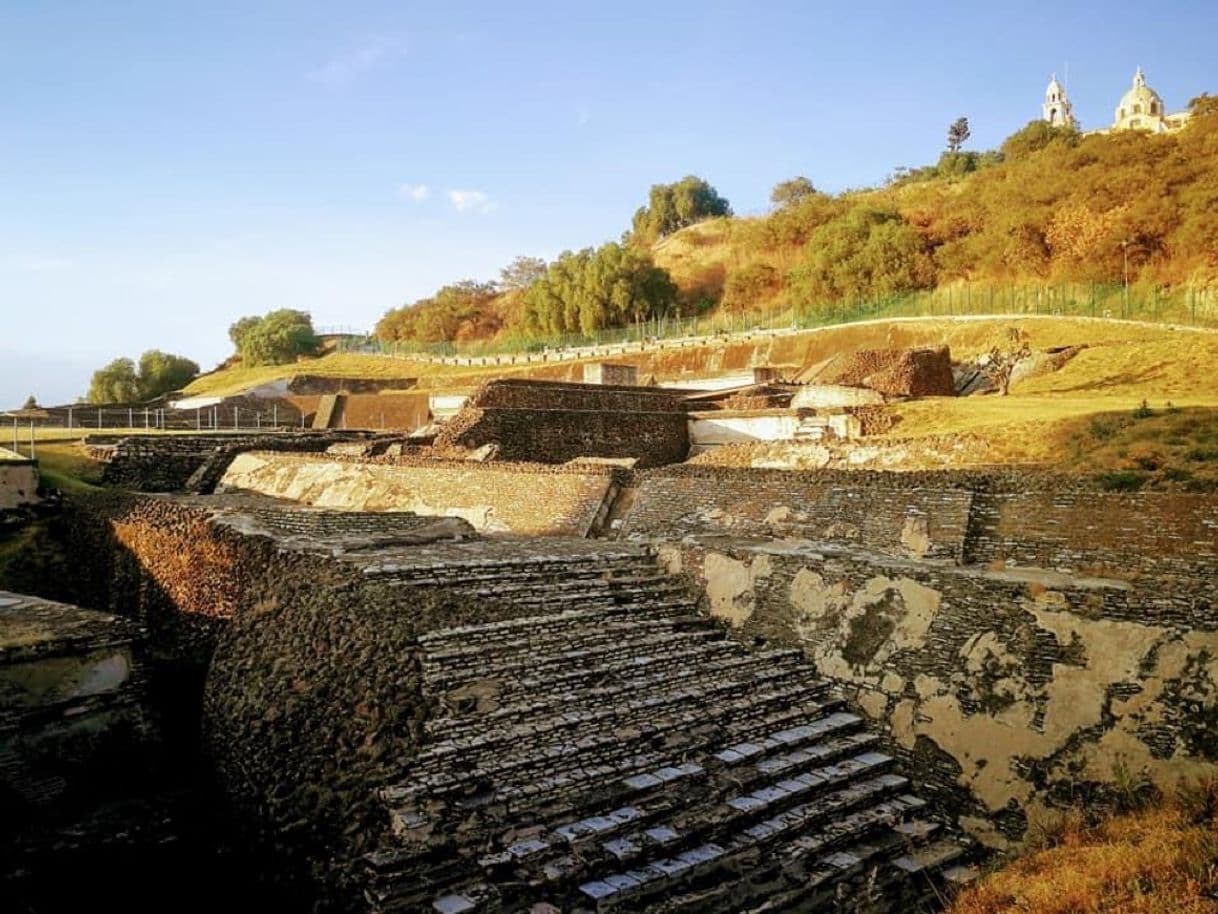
(1023, 692)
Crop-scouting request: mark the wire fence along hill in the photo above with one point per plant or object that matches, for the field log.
(1182, 306)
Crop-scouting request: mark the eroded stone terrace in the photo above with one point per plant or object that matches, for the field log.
(612, 748)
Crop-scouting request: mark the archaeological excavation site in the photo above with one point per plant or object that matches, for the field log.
(582, 643)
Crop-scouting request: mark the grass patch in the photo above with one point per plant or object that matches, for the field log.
(1158, 860)
(67, 467)
(1168, 449)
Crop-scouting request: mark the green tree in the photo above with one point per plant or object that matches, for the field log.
(521, 273)
(1037, 135)
(864, 254)
(957, 133)
(116, 383)
(274, 339)
(795, 190)
(161, 372)
(239, 329)
(589, 290)
(458, 310)
(673, 206)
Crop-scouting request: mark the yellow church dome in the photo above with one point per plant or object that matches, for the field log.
(1139, 102)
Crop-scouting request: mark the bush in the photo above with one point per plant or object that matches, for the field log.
(749, 286)
(1122, 481)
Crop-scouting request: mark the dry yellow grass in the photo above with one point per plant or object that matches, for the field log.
(1160, 861)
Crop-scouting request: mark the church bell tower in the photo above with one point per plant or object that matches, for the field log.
(1057, 109)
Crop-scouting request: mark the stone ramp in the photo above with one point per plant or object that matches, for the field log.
(615, 750)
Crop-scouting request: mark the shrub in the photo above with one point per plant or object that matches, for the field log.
(1122, 481)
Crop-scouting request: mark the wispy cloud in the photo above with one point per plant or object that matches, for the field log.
(582, 116)
(348, 65)
(469, 201)
(416, 192)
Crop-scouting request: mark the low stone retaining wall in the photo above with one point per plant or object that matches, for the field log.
(1001, 519)
(493, 497)
(167, 463)
(553, 422)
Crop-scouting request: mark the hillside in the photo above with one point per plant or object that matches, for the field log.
(1052, 222)
(1079, 419)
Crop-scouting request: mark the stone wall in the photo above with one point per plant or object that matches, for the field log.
(18, 482)
(166, 463)
(1027, 641)
(553, 422)
(493, 497)
(1009, 692)
(887, 512)
(999, 519)
(1123, 534)
(72, 716)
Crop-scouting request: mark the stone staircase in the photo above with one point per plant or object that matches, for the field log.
(613, 749)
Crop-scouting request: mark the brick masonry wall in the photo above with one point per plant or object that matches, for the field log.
(1126, 534)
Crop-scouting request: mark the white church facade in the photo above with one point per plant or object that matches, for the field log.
(1140, 108)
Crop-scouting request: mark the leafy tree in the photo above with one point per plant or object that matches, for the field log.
(588, 290)
(673, 206)
(1037, 135)
(864, 253)
(957, 133)
(275, 338)
(238, 330)
(116, 383)
(1203, 105)
(461, 310)
(30, 402)
(161, 372)
(749, 286)
(795, 190)
(521, 273)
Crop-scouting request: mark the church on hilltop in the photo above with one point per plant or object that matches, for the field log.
(1140, 108)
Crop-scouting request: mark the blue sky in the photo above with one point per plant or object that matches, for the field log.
(166, 167)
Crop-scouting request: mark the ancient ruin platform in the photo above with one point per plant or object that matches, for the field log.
(71, 698)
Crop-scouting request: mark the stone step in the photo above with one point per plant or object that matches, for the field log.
(568, 618)
(524, 689)
(629, 889)
(530, 641)
(932, 857)
(781, 873)
(622, 713)
(463, 768)
(598, 651)
(489, 570)
(707, 661)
